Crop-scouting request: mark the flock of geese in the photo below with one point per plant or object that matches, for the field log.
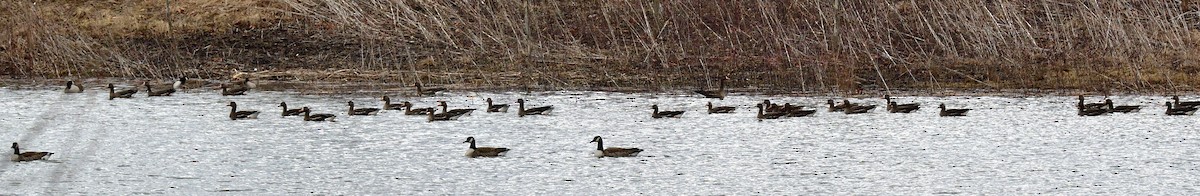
(766, 110)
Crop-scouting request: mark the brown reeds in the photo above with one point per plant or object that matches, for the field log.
(1121, 45)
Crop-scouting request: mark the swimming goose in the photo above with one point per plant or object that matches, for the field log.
(317, 117)
(893, 107)
(458, 112)
(496, 107)
(230, 91)
(361, 111)
(444, 116)
(768, 115)
(856, 109)
(838, 107)
(126, 93)
(408, 110)
(521, 111)
(162, 92)
(27, 156)
(719, 93)
(474, 152)
(1121, 109)
(387, 104)
(1090, 111)
(1185, 103)
(73, 88)
(660, 114)
(234, 114)
(291, 112)
(720, 109)
(1083, 106)
(613, 151)
(786, 107)
(427, 91)
(951, 112)
(800, 112)
(1180, 110)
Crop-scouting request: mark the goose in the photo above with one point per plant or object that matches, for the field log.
(613, 151)
(457, 112)
(1083, 106)
(719, 93)
(427, 91)
(1185, 103)
(317, 117)
(27, 156)
(361, 111)
(408, 110)
(521, 111)
(856, 109)
(234, 114)
(893, 107)
(951, 112)
(771, 107)
(661, 114)
(126, 93)
(73, 88)
(1121, 109)
(444, 116)
(838, 107)
(496, 107)
(230, 91)
(720, 109)
(768, 115)
(1090, 111)
(154, 93)
(387, 104)
(800, 112)
(291, 112)
(1173, 111)
(474, 152)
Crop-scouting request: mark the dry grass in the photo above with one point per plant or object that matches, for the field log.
(1100, 46)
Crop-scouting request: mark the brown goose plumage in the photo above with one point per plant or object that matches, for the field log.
(660, 114)
(408, 110)
(474, 152)
(291, 112)
(855, 108)
(361, 111)
(317, 117)
(894, 107)
(27, 156)
(234, 114)
(387, 104)
(767, 115)
(496, 107)
(231, 91)
(951, 112)
(1179, 111)
(457, 112)
(522, 112)
(720, 109)
(153, 93)
(613, 151)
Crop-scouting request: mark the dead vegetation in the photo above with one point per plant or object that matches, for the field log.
(819, 46)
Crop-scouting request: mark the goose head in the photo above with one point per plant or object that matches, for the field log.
(282, 104)
(830, 102)
(942, 106)
(232, 104)
(470, 140)
(387, 99)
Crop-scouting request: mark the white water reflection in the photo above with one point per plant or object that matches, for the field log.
(185, 144)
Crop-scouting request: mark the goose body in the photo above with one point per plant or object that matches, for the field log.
(1121, 109)
(361, 111)
(496, 107)
(421, 91)
(72, 88)
(234, 90)
(613, 151)
(161, 92)
(1179, 111)
(234, 114)
(800, 113)
(126, 93)
(317, 117)
(856, 109)
(522, 112)
(838, 107)
(720, 109)
(456, 112)
(951, 112)
(894, 107)
(474, 152)
(408, 110)
(661, 114)
(27, 156)
(444, 116)
(290, 112)
(1085, 110)
(768, 115)
(1190, 104)
(719, 93)
(387, 104)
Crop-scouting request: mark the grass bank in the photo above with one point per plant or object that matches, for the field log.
(834, 46)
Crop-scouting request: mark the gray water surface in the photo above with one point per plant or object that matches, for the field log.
(186, 145)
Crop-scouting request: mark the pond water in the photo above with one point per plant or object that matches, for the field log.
(185, 144)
